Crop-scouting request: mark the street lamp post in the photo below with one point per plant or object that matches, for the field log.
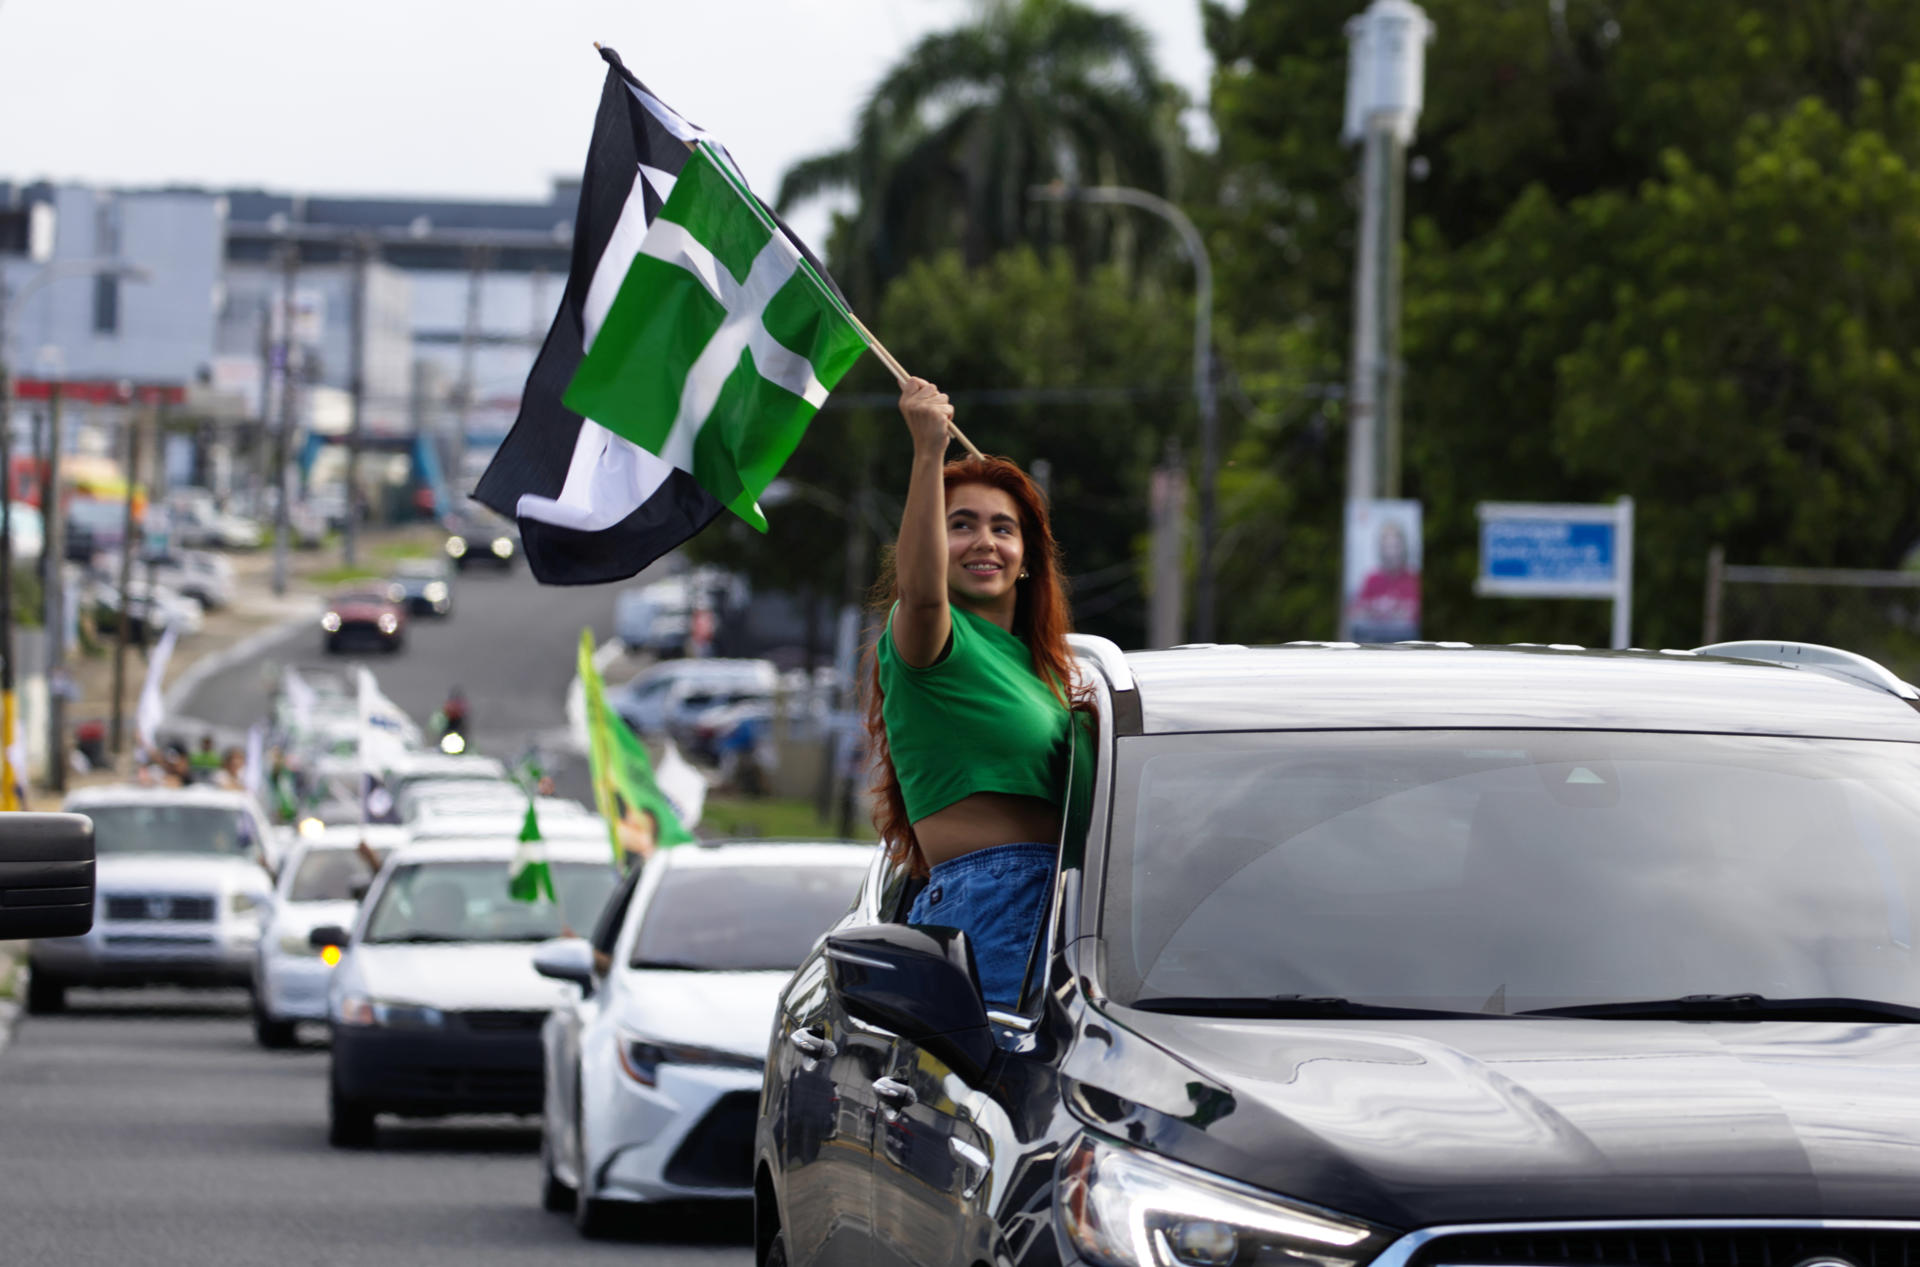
(1386, 84)
(10, 308)
(1195, 249)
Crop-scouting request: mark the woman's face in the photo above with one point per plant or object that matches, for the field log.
(985, 550)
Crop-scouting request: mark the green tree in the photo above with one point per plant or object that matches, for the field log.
(1656, 249)
(1022, 320)
(950, 141)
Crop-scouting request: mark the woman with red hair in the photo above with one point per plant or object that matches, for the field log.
(970, 711)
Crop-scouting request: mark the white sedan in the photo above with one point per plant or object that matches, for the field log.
(321, 883)
(653, 1067)
(435, 1007)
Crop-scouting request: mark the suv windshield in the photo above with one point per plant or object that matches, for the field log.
(742, 919)
(468, 901)
(201, 829)
(330, 875)
(1500, 871)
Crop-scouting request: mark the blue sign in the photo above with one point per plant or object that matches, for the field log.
(1547, 550)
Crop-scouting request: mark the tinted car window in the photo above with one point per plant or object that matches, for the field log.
(201, 829)
(741, 919)
(329, 875)
(469, 901)
(1501, 871)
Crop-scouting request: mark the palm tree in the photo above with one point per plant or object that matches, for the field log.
(949, 143)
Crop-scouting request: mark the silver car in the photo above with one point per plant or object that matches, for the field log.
(180, 879)
(321, 884)
(653, 1066)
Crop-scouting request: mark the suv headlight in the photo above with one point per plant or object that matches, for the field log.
(503, 546)
(1122, 1208)
(243, 903)
(456, 546)
(358, 1009)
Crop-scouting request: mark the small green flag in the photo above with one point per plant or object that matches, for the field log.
(621, 769)
(529, 879)
(721, 342)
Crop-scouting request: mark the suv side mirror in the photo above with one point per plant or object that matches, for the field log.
(328, 935)
(46, 875)
(566, 959)
(918, 983)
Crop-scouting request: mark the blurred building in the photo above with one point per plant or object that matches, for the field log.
(455, 297)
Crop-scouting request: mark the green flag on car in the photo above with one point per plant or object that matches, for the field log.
(529, 879)
(624, 787)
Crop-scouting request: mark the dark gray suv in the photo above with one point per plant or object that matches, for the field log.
(1412, 956)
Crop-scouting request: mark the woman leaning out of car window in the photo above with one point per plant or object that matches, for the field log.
(971, 702)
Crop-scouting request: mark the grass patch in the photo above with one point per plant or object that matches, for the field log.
(339, 575)
(772, 817)
(395, 551)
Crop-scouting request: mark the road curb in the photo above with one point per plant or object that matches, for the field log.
(195, 674)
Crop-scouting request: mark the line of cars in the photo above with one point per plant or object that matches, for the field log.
(630, 1012)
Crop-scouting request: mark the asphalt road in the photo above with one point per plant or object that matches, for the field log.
(510, 646)
(146, 1128)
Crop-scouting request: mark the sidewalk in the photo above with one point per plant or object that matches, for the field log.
(255, 611)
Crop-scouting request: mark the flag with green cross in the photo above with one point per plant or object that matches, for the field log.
(721, 342)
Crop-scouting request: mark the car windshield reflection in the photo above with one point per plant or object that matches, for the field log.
(470, 902)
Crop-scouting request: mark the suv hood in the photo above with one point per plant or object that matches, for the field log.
(483, 976)
(1412, 1123)
(177, 873)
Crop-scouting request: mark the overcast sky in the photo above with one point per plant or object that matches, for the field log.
(446, 97)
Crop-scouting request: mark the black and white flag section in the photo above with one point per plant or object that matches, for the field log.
(592, 505)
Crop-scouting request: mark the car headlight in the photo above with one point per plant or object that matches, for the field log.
(312, 828)
(1119, 1207)
(436, 591)
(358, 1009)
(387, 623)
(242, 903)
(296, 944)
(642, 1058)
(331, 622)
(456, 546)
(396, 593)
(503, 546)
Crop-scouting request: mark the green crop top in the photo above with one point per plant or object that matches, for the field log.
(978, 719)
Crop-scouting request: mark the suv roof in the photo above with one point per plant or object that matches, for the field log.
(1334, 686)
(136, 794)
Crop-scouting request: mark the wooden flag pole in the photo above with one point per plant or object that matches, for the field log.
(901, 376)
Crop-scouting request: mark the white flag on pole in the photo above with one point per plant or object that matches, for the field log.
(383, 727)
(152, 709)
(683, 786)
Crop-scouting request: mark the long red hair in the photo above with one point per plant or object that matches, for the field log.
(1041, 617)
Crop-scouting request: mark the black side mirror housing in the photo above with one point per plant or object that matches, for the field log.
(46, 875)
(918, 983)
(327, 935)
(359, 889)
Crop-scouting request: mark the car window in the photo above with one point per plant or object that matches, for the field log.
(330, 875)
(741, 919)
(1501, 871)
(195, 829)
(469, 902)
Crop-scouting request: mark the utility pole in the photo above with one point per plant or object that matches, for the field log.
(1386, 82)
(54, 567)
(10, 779)
(124, 625)
(289, 273)
(479, 258)
(357, 385)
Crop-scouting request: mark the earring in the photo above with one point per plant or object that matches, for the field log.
(1023, 574)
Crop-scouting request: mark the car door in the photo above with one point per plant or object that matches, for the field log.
(830, 1064)
(571, 1020)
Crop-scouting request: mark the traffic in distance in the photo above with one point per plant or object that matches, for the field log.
(1352, 955)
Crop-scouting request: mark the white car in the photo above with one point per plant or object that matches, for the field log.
(654, 1064)
(321, 884)
(179, 879)
(435, 1007)
(437, 767)
(665, 695)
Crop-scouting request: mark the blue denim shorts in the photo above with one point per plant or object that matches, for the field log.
(998, 897)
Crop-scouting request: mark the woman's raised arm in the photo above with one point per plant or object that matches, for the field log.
(922, 622)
